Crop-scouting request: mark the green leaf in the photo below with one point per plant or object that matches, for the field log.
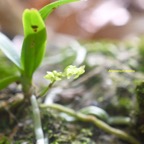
(8, 80)
(45, 11)
(34, 44)
(5, 63)
(96, 111)
(9, 50)
(4, 140)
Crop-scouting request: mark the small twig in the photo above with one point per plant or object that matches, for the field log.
(100, 124)
(37, 122)
(14, 131)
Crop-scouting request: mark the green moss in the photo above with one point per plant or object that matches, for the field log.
(62, 132)
(140, 95)
(4, 140)
(140, 112)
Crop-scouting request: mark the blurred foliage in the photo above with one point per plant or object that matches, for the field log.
(6, 67)
(4, 140)
(109, 90)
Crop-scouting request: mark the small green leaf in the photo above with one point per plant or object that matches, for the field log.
(96, 111)
(34, 44)
(9, 50)
(4, 140)
(45, 11)
(7, 81)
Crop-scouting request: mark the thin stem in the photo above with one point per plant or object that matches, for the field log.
(44, 92)
(100, 124)
(119, 120)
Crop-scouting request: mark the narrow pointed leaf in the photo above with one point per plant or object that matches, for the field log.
(45, 11)
(7, 81)
(34, 44)
(8, 48)
(96, 111)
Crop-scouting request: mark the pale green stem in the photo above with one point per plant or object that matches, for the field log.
(37, 122)
(100, 124)
(26, 87)
(119, 120)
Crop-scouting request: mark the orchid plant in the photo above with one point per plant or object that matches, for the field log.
(33, 49)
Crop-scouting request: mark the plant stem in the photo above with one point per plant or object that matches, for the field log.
(46, 89)
(100, 124)
(27, 87)
(119, 120)
(37, 121)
